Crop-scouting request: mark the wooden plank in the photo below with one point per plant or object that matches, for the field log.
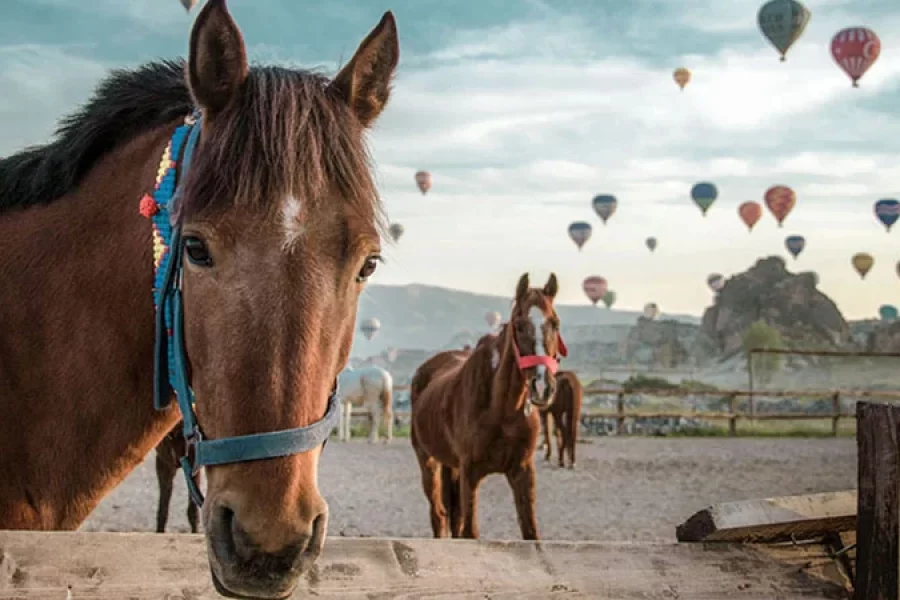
(878, 530)
(148, 566)
(772, 520)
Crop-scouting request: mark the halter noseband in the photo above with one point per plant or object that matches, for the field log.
(170, 369)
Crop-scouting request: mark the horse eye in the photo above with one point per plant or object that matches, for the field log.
(197, 252)
(368, 268)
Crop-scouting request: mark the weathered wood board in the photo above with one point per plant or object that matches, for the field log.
(149, 566)
(772, 519)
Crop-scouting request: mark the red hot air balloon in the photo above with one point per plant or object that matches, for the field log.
(423, 181)
(750, 213)
(855, 49)
(594, 288)
(780, 199)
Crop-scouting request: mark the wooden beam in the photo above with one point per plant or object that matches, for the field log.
(771, 520)
(878, 529)
(150, 566)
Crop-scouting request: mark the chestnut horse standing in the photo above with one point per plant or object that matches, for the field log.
(566, 413)
(472, 413)
(168, 457)
(270, 213)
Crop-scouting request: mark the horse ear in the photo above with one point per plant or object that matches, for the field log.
(522, 287)
(551, 287)
(217, 64)
(365, 82)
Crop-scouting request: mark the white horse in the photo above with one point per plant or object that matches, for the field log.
(370, 387)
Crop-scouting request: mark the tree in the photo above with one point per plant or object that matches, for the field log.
(761, 335)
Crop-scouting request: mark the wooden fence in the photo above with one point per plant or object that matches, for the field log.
(731, 400)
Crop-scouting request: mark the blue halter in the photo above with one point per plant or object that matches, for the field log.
(170, 370)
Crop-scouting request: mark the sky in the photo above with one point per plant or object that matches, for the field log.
(523, 110)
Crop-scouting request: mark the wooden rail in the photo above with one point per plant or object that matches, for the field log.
(732, 414)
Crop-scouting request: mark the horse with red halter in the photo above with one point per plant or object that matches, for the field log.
(238, 206)
(472, 413)
(566, 414)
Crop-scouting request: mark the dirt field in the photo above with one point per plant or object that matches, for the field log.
(621, 489)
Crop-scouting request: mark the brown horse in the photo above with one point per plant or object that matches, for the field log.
(566, 413)
(168, 455)
(281, 227)
(472, 413)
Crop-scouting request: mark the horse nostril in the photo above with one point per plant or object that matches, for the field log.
(222, 536)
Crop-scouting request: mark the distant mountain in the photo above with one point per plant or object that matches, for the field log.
(428, 317)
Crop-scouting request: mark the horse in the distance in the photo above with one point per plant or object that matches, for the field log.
(472, 413)
(566, 418)
(273, 222)
(168, 456)
(370, 387)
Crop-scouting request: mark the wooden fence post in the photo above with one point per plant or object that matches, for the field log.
(620, 408)
(835, 413)
(732, 410)
(878, 502)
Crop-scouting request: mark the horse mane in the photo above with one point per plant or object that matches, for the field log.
(284, 133)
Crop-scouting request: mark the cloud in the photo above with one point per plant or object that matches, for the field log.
(522, 122)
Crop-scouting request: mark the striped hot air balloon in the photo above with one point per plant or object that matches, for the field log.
(855, 50)
(887, 211)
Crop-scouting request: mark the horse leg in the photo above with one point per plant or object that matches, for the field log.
(545, 426)
(346, 412)
(573, 424)
(450, 489)
(561, 438)
(431, 484)
(166, 467)
(387, 410)
(522, 481)
(470, 476)
(374, 421)
(192, 512)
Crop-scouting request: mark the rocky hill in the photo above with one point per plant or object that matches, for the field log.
(790, 302)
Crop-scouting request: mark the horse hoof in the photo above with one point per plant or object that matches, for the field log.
(572, 466)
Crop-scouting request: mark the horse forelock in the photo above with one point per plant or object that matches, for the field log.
(284, 137)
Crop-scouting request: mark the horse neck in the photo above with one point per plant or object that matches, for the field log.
(76, 357)
(508, 388)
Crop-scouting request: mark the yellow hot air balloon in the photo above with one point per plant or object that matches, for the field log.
(862, 262)
(681, 76)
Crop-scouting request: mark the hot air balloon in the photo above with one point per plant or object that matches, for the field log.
(604, 205)
(862, 262)
(651, 310)
(795, 244)
(897, 268)
(855, 49)
(396, 230)
(704, 194)
(715, 281)
(609, 298)
(780, 199)
(782, 22)
(681, 76)
(594, 288)
(492, 318)
(370, 327)
(750, 213)
(188, 4)
(423, 181)
(887, 211)
(887, 312)
(580, 232)
(651, 243)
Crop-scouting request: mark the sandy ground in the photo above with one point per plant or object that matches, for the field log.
(621, 489)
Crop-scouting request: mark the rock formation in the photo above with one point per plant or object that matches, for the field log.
(789, 302)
